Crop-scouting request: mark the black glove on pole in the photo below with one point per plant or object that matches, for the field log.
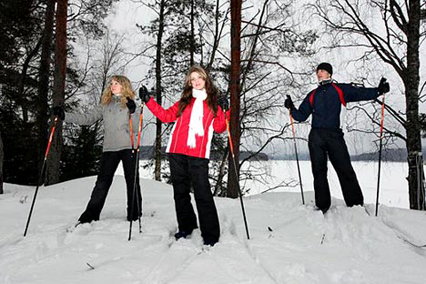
(131, 105)
(223, 103)
(288, 103)
(59, 112)
(383, 86)
(144, 95)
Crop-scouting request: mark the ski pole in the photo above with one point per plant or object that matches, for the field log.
(231, 147)
(297, 156)
(380, 151)
(40, 178)
(136, 171)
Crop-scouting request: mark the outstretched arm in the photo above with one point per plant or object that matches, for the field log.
(165, 115)
(354, 93)
(87, 118)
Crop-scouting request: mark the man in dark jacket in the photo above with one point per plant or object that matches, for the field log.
(326, 136)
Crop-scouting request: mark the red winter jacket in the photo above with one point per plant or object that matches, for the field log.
(178, 139)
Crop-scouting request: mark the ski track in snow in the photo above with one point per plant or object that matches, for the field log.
(174, 258)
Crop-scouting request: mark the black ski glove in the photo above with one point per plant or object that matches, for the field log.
(288, 103)
(59, 112)
(383, 87)
(144, 95)
(131, 105)
(223, 102)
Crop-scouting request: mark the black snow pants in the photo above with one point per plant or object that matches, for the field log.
(109, 164)
(323, 142)
(186, 170)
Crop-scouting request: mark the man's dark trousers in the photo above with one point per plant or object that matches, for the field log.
(329, 142)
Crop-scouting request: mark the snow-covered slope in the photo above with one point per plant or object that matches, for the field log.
(289, 242)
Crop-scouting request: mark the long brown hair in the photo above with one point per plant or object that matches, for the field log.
(211, 90)
(126, 91)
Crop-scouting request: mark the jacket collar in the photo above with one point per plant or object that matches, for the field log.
(325, 82)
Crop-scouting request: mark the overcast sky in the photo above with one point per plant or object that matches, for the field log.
(126, 14)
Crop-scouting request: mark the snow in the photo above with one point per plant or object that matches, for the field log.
(289, 242)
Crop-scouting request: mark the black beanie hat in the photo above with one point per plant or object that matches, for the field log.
(325, 66)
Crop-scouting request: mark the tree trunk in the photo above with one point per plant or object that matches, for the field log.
(43, 85)
(1, 165)
(413, 126)
(22, 100)
(233, 179)
(216, 36)
(53, 162)
(218, 189)
(158, 132)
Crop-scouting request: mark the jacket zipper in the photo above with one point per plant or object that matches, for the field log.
(177, 133)
(202, 142)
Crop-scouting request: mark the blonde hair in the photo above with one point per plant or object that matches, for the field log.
(126, 91)
(211, 90)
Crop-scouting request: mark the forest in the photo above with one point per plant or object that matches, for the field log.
(62, 53)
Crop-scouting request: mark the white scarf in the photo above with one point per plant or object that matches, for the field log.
(196, 120)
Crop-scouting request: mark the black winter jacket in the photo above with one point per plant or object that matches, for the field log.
(325, 103)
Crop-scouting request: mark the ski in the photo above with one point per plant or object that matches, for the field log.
(90, 266)
(398, 233)
(199, 250)
(410, 242)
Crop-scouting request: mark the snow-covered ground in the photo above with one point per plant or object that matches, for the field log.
(289, 242)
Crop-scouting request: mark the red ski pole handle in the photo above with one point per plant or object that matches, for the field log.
(382, 119)
(231, 146)
(140, 126)
(51, 137)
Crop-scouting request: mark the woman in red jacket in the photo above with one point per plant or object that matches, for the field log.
(197, 114)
